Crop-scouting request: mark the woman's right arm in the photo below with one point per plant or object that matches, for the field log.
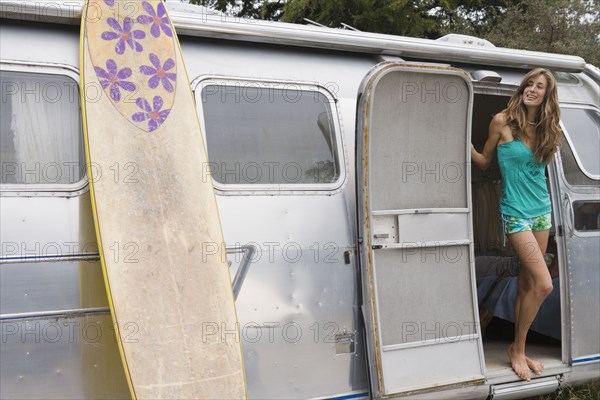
(485, 158)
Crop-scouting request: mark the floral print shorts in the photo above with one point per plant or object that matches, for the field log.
(516, 224)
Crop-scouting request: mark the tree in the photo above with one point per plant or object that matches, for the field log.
(470, 17)
(555, 26)
(398, 17)
(268, 10)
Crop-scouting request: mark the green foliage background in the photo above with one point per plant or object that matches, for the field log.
(556, 26)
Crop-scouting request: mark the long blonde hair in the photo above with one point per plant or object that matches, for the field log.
(547, 129)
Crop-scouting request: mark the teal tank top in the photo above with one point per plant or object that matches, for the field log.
(524, 190)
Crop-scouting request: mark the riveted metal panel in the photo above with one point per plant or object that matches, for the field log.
(61, 358)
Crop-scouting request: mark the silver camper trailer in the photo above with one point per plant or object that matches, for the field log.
(352, 216)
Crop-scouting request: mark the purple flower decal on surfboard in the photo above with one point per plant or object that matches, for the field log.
(154, 115)
(158, 19)
(135, 56)
(115, 79)
(124, 35)
(159, 73)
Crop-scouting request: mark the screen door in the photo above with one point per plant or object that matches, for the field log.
(415, 231)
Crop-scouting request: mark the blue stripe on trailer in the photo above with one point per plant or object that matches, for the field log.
(586, 359)
(351, 396)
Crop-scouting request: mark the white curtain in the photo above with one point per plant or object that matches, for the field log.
(46, 130)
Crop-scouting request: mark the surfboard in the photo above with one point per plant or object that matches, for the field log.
(156, 218)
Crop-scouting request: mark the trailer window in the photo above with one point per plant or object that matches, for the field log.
(587, 215)
(264, 134)
(581, 145)
(40, 130)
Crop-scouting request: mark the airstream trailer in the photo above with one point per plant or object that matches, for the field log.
(351, 213)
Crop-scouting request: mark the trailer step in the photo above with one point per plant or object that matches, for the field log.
(523, 389)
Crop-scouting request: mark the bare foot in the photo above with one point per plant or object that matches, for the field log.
(518, 362)
(536, 366)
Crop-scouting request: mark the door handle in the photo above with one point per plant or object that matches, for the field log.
(247, 258)
(569, 214)
(382, 236)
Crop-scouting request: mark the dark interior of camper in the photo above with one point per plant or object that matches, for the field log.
(496, 265)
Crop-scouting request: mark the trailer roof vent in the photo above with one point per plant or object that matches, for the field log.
(465, 39)
(486, 76)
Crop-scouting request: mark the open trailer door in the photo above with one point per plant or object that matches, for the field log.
(415, 230)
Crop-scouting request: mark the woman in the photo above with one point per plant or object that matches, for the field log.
(525, 136)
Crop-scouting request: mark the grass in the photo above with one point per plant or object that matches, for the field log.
(590, 391)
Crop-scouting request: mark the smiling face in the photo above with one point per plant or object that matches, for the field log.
(535, 90)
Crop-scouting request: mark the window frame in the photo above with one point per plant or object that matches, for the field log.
(277, 188)
(48, 189)
(584, 231)
(570, 142)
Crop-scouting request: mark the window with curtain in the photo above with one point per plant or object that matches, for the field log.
(40, 130)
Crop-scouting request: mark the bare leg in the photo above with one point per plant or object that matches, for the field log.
(535, 285)
(542, 239)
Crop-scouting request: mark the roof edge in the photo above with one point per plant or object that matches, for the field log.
(222, 26)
